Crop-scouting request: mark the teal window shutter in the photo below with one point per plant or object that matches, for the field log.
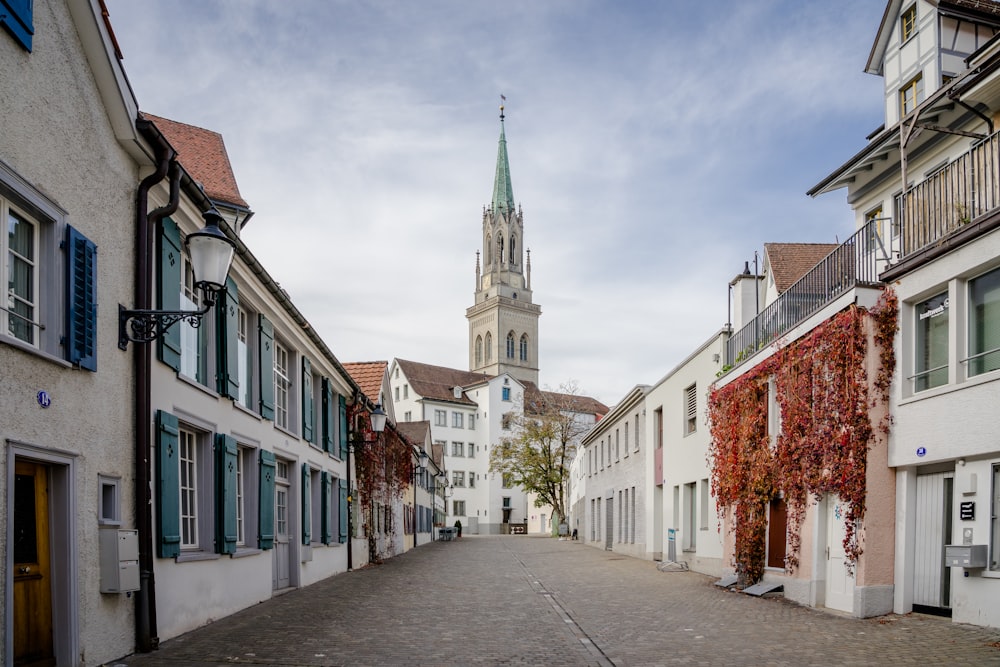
(306, 498)
(265, 350)
(329, 425)
(308, 412)
(168, 503)
(81, 300)
(15, 15)
(327, 507)
(265, 524)
(168, 289)
(342, 431)
(227, 357)
(226, 452)
(343, 511)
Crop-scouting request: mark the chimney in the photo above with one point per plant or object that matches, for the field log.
(744, 295)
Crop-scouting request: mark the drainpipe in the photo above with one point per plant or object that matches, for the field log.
(146, 638)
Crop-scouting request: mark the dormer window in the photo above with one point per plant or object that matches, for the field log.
(910, 94)
(908, 23)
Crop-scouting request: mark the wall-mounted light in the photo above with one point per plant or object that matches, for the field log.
(211, 254)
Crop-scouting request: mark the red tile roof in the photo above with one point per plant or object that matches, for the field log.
(415, 432)
(368, 375)
(537, 400)
(791, 261)
(438, 382)
(203, 154)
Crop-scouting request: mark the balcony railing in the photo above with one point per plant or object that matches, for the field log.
(856, 262)
(951, 197)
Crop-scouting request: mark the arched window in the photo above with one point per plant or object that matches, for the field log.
(489, 250)
(510, 345)
(499, 248)
(489, 347)
(512, 257)
(479, 350)
(524, 347)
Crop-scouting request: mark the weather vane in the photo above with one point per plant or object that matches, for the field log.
(502, 100)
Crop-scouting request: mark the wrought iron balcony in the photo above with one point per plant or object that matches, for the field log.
(953, 196)
(855, 263)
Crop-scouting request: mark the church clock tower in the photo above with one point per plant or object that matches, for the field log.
(503, 322)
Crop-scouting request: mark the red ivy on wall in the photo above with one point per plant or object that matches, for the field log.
(825, 396)
(384, 468)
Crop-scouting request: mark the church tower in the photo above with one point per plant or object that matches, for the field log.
(503, 322)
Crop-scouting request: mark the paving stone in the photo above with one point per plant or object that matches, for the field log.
(518, 600)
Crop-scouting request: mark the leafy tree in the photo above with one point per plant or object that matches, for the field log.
(547, 427)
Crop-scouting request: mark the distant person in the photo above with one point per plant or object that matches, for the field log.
(458, 527)
(575, 534)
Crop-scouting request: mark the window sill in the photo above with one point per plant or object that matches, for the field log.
(197, 385)
(243, 552)
(192, 556)
(34, 351)
(287, 432)
(249, 412)
(933, 392)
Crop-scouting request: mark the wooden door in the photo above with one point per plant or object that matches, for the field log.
(32, 614)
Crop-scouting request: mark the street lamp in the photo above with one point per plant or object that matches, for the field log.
(418, 472)
(211, 254)
(377, 418)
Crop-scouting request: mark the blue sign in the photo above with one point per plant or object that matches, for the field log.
(921, 451)
(43, 399)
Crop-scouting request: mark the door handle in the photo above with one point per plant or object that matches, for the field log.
(24, 570)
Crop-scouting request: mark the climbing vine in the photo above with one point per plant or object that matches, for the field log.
(822, 386)
(384, 468)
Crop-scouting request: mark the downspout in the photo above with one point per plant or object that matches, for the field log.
(146, 638)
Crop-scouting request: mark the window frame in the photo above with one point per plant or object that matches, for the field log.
(458, 449)
(924, 311)
(458, 478)
(908, 23)
(914, 85)
(283, 362)
(995, 518)
(457, 419)
(691, 409)
(978, 330)
(458, 508)
(440, 417)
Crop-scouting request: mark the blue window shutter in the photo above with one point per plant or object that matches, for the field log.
(226, 452)
(168, 289)
(327, 497)
(308, 412)
(329, 423)
(15, 15)
(81, 300)
(342, 404)
(265, 350)
(306, 498)
(343, 511)
(227, 357)
(168, 503)
(266, 501)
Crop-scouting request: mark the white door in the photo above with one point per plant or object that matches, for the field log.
(609, 526)
(839, 582)
(281, 543)
(933, 528)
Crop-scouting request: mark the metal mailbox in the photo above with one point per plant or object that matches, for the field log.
(967, 556)
(119, 560)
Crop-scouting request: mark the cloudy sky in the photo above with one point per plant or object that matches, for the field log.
(654, 147)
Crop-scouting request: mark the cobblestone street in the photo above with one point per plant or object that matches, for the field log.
(540, 601)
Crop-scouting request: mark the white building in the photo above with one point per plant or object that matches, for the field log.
(928, 181)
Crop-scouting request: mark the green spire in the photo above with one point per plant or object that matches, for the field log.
(503, 194)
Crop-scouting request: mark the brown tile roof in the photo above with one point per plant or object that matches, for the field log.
(415, 432)
(203, 154)
(437, 455)
(985, 6)
(791, 261)
(368, 375)
(438, 382)
(536, 399)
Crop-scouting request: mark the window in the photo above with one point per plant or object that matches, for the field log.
(626, 439)
(489, 347)
(406, 391)
(510, 345)
(658, 428)
(471, 451)
(457, 449)
(984, 323)
(995, 520)
(908, 23)
(282, 385)
(505, 393)
(472, 422)
(910, 94)
(690, 409)
(194, 339)
(243, 357)
(440, 418)
(458, 507)
(109, 511)
(877, 222)
(618, 445)
(506, 420)
(506, 502)
(637, 432)
(457, 478)
(457, 420)
(408, 416)
(472, 480)
(524, 347)
(247, 511)
(20, 261)
(15, 15)
(499, 249)
(507, 480)
(512, 257)
(397, 393)
(188, 459)
(703, 500)
(931, 363)
(479, 350)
